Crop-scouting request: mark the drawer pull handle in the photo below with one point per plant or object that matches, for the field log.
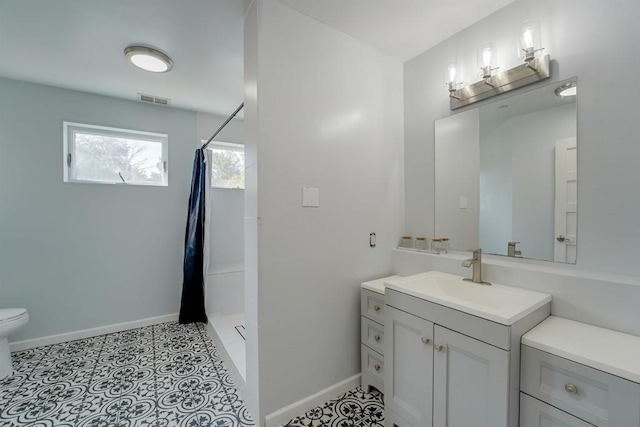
(376, 367)
(439, 347)
(425, 340)
(571, 389)
(377, 338)
(376, 307)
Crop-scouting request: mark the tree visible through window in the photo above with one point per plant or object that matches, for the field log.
(227, 170)
(108, 155)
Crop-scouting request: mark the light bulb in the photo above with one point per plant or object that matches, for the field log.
(452, 72)
(527, 38)
(486, 57)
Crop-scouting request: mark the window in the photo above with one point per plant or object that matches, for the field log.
(104, 155)
(227, 170)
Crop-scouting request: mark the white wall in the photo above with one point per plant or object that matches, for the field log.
(79, 256)
(328, 114)
(574, 34)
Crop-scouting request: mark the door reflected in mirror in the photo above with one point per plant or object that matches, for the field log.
(506, 175)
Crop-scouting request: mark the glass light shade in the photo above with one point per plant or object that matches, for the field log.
(149, 63)
(148, 59)
(529, 41)
(450, 72)
(487, 55)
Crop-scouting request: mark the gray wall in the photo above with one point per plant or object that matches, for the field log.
(79, 256)
(591, 39)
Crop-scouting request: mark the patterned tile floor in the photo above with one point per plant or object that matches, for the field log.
(158, 376)
(354, 408)
(161, 375)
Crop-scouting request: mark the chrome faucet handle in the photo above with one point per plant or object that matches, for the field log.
(513, 243)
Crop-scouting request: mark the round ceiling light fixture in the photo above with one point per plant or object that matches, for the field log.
(148, 58)
(567, 89)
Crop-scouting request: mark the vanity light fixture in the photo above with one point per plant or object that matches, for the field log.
(148, 58)
(534, 69)
(567, 89)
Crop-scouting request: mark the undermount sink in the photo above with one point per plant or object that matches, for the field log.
(498, 303)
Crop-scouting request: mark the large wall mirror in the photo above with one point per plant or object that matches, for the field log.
(506, 175)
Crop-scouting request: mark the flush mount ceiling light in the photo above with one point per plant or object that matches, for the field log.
(567, 89)
(148, 58)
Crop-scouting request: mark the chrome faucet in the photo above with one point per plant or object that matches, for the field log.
(511, 249)
(476, 264)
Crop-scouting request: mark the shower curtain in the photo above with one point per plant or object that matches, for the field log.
(192, 307)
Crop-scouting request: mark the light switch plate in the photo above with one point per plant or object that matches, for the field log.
(310, 197)
(463, 202)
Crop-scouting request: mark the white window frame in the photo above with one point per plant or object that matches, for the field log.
(70, 129)
(229, 146)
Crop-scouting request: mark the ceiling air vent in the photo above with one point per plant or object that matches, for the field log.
(153, 99)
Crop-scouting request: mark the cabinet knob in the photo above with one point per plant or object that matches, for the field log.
(376, 307)
(439, 347)
(571, 389)
(377, 338)
(376, 367)
(426, 340)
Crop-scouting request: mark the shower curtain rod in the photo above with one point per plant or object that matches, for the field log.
(223, 125)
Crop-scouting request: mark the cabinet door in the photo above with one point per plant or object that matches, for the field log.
(471, 382)
(408, 377)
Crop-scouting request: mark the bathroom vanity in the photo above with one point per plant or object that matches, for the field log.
(579, 375)
(452, 350)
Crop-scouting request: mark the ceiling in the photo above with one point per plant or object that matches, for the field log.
(401, 29)
(78, 44)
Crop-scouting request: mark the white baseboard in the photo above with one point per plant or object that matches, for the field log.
(93, 332)
(298, 408)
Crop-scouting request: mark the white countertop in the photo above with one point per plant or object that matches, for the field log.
(610, 351)
(378, 284)
(498, 303)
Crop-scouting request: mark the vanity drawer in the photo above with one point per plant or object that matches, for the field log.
(534, 413)
(372, 363)
(592, 395)
(372, 334)
(372, 306)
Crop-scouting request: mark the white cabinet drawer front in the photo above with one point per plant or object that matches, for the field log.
(592, 395)
(534, 413)
(372, 335)
(372, 306)
(372, 363)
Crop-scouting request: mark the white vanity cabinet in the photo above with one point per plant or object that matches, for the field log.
(448, 368)
(574, 374)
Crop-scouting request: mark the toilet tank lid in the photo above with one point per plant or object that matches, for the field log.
(7, 314)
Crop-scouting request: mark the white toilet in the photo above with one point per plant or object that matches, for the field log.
(11, 319)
